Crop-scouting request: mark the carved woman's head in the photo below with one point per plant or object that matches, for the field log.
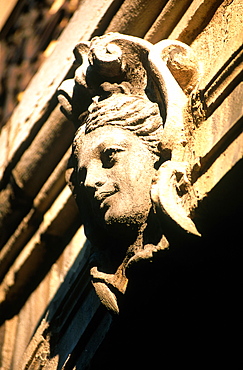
(115, 155)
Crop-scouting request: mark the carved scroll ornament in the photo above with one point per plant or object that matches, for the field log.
(130, 101)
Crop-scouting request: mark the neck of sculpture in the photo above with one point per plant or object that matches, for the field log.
(111, 280)
(115, 252)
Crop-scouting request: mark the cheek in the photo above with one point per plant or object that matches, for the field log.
(133, 174)
(143, 173)
(137, 186)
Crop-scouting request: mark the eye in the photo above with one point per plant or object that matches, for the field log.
(109, 156)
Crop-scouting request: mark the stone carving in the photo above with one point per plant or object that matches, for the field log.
(130, 101)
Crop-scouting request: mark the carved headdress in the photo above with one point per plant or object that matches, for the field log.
(134, 113)
(123, 78)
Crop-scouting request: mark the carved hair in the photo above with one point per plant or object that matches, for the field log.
(134, 113)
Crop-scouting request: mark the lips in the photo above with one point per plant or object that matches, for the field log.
(102, 195)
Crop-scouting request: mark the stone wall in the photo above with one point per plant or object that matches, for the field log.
(47, 301)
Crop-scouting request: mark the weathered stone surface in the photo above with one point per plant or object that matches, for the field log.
(170, 15)
(32, 221)
(135, 17)
(195, 19)
(225, 35)
(25, 268)
(192, 284)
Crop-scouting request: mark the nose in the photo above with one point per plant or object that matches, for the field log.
(95, 178)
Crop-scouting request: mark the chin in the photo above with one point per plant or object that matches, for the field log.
(127, 220)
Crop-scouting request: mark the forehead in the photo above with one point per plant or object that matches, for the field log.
(102, 137)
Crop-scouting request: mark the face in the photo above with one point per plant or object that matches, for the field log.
(115, 171)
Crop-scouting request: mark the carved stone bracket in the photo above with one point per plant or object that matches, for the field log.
(160, 81)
